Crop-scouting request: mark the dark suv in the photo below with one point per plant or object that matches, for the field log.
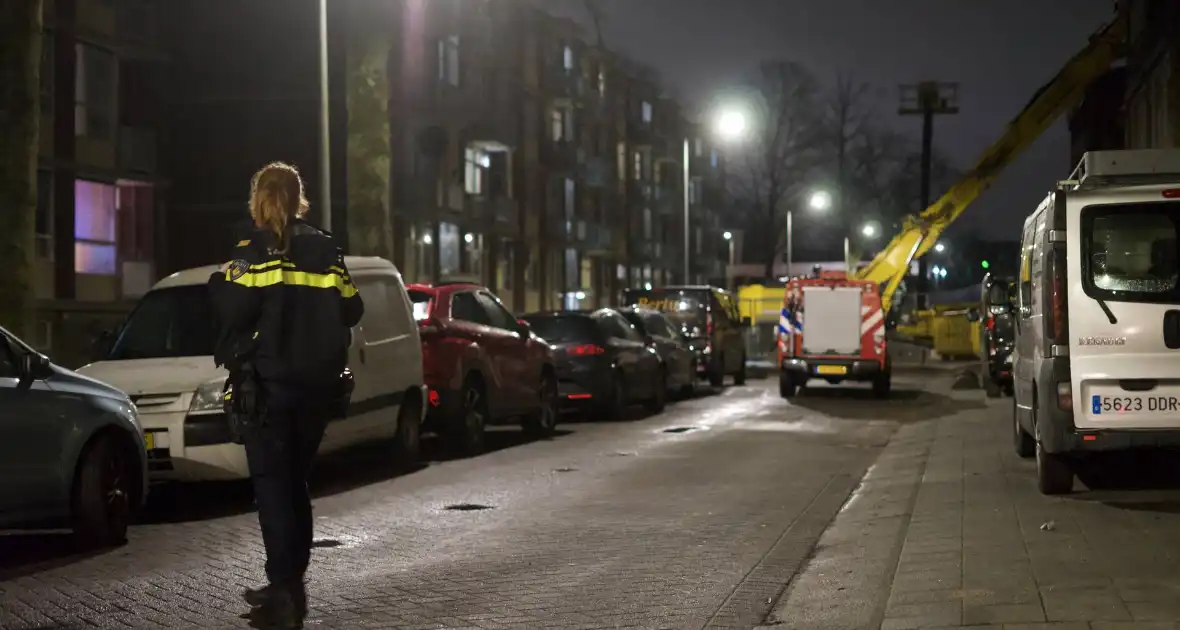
(482, 366)
(708, 319)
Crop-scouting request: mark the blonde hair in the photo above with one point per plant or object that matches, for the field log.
(277, 199)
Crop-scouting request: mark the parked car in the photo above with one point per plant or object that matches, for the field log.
(603, 364)
(163, 357)
(997, 332)
(72, 449)
(482, 366)
(709, 318)
(680, 361)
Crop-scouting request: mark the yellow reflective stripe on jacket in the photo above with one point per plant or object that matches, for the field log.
(277, 272)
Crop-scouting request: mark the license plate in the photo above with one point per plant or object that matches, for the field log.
(831, 369)
(1100, 405)
(150, 440)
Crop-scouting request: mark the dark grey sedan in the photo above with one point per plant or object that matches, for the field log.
(71, 449)
(680, 361)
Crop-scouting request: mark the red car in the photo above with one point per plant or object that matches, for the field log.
(482, 366)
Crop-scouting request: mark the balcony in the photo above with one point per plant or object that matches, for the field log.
(563, 156)
(137, 150)
(668, 200)
(641, 133)
(564, 83)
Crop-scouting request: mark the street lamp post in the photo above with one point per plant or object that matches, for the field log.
(730, 124)
(325, 144)
(687, 229)
(820, 200)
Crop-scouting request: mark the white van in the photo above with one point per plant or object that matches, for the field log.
(162, 357)
(1097, 357)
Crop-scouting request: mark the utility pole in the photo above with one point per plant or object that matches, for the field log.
(926, 99)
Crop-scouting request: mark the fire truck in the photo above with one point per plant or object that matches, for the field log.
(843, 337)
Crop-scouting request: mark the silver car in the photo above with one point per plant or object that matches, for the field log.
(71, 449)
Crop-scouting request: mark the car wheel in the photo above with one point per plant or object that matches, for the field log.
(102, 495)
(1024, 443)
(787, 388)
(740, 377)
(408, 440)
(467, 430)
(883, 382)
(543, 422)
(659, 398)
(614, 407)
(717, 372)
(1054, 473)
(687, 389)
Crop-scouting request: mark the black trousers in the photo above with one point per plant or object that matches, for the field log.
(280, 454)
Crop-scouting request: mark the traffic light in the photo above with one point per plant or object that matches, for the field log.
(984, 264)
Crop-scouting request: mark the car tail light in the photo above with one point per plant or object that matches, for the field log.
(1058, 315)
(585, 350)
(1172, 193)
(1065, 396)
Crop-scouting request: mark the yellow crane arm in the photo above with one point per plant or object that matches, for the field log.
(919, 233)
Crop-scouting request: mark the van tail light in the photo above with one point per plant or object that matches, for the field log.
(1059, 314)
(709, 324)
(585, 350)
(991, 323)
(1065, 396)
(1172, 193)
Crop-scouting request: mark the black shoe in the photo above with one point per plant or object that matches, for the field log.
(274, 593)
(275, 616)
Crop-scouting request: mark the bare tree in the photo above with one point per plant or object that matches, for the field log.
(20, 64)
(780, 155)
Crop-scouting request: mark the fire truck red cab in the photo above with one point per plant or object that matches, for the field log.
(832, 328)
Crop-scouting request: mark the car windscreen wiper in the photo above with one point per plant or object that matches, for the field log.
(1106, 309)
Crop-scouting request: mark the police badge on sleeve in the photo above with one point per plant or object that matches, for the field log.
(236, 269)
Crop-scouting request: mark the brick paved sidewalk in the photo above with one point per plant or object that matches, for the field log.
(946, 532)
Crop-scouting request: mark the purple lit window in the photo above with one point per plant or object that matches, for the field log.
(94, 228)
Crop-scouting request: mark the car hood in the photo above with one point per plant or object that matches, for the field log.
(138, 377)
(64, 380)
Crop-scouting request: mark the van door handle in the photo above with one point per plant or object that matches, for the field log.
(1172, 329)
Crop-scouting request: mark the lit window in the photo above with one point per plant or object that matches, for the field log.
(646, 112)
(557, 124)
(638, 166)
(713, 158)
(567, 58)
(601, 83)
(448, 60)
(475, 162)
(94, 228)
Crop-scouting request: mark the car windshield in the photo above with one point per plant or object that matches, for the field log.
(683, 309)
(174, 322)
(1132, 251)
(563, 328)
(421, 303)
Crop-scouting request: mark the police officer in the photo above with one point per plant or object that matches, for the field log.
(286, 303)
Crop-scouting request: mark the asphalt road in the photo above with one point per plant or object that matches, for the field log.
(694, 518)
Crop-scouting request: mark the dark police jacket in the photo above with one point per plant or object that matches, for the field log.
(294, 311)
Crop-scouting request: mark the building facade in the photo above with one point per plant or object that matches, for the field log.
(1152, 102)
(99, 215)
(529, 159)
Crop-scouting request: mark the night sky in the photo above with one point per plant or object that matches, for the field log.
(1000, 51)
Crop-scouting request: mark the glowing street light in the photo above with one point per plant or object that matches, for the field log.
(820, 200)
(939, 247)
(727, 236)
(869, 230)
(731, 124)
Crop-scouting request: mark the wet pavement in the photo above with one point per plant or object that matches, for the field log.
(694, 518)
(948, 530)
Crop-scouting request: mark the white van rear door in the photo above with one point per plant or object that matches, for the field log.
(833, 320)
(1124, 292)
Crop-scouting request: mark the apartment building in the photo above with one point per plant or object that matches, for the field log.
(546, 168)
(99, 215)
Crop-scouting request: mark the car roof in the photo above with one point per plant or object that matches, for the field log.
(200, 275)
(445, 286)
(577, 313)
